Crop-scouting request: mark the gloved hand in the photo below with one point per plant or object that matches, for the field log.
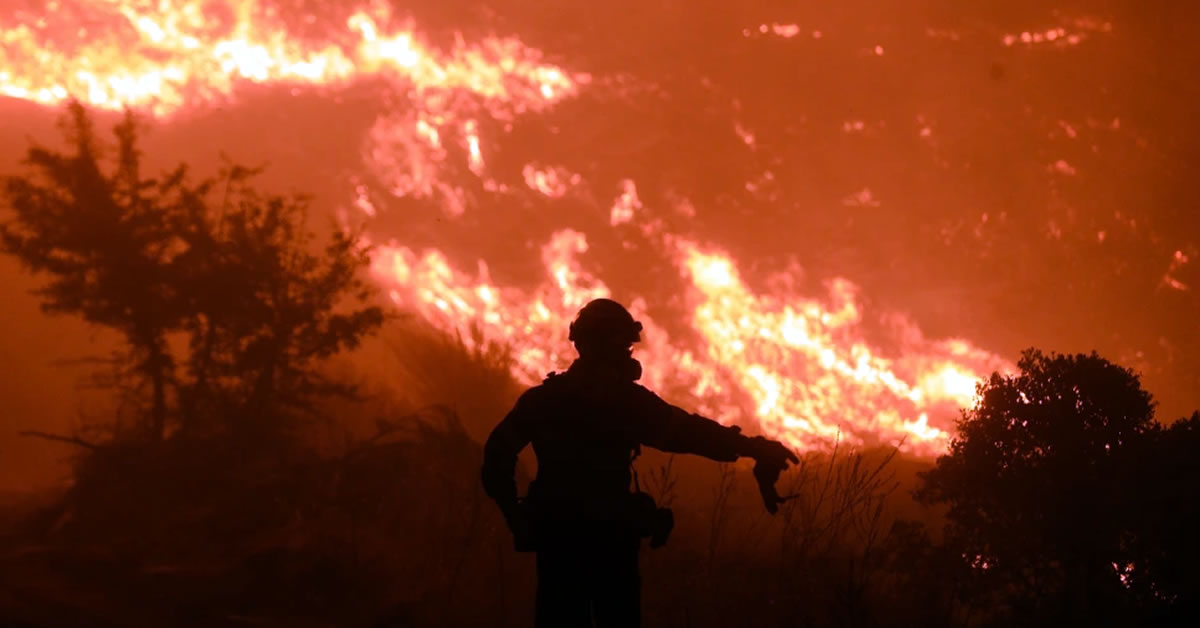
(769, 452)
(771, 458)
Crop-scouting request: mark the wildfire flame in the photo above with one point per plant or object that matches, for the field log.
(163, 55)
(798, 367)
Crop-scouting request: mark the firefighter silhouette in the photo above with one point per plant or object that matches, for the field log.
(580, 516)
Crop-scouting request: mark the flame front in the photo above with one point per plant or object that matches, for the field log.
(797, 367)
(164, 55)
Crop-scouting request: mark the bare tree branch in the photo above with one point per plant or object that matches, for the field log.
(74, 440)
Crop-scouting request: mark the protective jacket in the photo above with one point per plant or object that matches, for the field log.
(585, 426)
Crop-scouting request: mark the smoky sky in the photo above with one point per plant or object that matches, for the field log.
(1013, 193)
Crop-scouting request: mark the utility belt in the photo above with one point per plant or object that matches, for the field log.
(635, 513)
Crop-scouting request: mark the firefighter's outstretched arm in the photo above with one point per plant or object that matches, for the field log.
(500, 464)
(676, 430)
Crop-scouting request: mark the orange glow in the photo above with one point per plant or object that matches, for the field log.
(797, 367)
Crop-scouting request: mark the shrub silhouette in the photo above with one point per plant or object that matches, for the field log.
(156, 258)
(1046, 482)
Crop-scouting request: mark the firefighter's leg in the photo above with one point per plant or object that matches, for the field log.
(617, 586)
(562, 600)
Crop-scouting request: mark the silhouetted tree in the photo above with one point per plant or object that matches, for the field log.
(105, 242)
(1041, 483)
(151, 258)
(263, 308)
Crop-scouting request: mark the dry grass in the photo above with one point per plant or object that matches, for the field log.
(376, 517)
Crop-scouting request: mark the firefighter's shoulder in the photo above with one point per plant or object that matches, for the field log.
(536, 395)
(643, 397)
